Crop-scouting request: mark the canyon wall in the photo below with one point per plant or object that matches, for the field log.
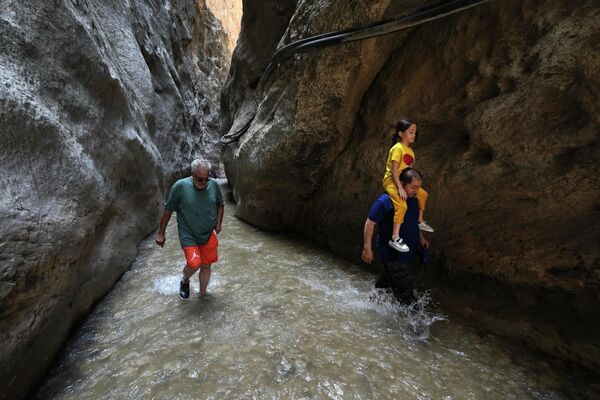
(507, 101)
(103, 104)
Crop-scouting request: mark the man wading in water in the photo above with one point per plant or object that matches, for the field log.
(395, 265)
(199, 206)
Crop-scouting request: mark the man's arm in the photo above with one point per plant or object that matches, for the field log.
(422, 241)
(160, 235)
(367, 253)
(220, 211)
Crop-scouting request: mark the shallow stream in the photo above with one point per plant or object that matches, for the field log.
(283, 320)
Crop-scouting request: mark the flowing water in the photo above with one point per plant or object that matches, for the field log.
(283, 320)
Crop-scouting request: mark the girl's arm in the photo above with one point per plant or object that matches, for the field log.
(396, 179)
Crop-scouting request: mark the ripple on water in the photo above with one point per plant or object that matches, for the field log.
(283, 320)
(169, 285)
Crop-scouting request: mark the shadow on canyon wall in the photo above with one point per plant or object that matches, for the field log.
(506, 97)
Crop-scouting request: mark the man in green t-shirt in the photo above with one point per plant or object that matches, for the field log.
(198, 202)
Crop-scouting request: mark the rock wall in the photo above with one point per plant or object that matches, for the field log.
(102, 104)
(507, 100)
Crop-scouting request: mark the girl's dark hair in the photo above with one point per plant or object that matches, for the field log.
(401, 126)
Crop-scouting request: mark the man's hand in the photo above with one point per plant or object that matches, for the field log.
(218, 229)
(423, 242)
(402, 193)
(164, 220)
(160, 239)
(367, 255)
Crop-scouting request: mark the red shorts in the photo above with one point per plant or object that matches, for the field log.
(202, 255)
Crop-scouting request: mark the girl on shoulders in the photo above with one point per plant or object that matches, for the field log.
(402, 156)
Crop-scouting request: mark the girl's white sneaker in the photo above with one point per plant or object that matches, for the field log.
(424, 226)
(399, 245)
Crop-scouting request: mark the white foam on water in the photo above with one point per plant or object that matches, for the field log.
(216, 280)
(315, 285)
(418, 317)
(348, 296)
(251, 247)
(383, 302)
(169, 285)
(345, 295)
(332, 390)
(355, 299)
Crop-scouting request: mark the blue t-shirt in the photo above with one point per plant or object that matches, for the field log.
(382, 213)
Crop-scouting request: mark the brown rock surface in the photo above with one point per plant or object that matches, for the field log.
(102, 103)
(507, 100)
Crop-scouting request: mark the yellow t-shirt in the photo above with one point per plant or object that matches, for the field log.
(403, 155)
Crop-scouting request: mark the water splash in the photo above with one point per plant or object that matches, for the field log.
(168, 285)
(417, 315)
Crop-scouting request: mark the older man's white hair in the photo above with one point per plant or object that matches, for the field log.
(199, 164)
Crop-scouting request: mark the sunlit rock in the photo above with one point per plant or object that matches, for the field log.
(229, 14)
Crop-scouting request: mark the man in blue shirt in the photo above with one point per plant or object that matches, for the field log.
(395, 265)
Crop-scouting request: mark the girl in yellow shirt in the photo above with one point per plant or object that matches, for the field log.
(402, 156)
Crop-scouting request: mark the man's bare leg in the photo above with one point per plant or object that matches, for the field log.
(204, 277)
(184, 286)
(188, 272)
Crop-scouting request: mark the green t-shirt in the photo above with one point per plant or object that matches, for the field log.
(196, 210)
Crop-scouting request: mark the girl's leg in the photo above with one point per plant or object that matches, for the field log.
(422, 196)
(400, 207)
(396, 231)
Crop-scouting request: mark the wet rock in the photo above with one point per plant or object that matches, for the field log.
(506, 97)
(102, 104)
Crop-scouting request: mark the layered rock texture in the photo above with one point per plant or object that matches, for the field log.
(103, 103)
(507, 99)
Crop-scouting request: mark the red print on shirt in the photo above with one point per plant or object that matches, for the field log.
(408, 160)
